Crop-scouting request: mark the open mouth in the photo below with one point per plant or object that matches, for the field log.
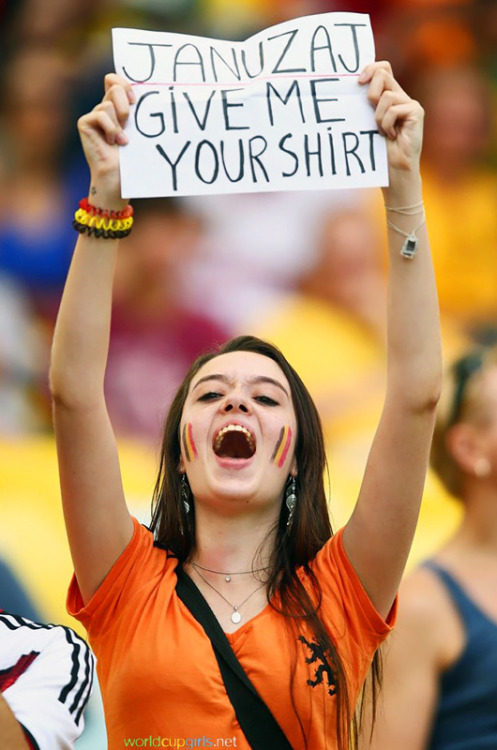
(234, 441)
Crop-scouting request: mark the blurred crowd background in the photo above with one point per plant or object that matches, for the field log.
(305, 270)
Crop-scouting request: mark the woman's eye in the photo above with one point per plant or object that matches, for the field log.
(266, 400)
(209, 396)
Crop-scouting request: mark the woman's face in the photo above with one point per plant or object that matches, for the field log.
(487, 431)
(238, 433)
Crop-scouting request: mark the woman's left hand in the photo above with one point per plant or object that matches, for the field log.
(398, 117)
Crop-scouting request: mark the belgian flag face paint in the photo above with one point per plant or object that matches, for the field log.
(188, 442)
(282, 446)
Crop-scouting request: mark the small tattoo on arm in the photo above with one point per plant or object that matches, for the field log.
(93, 190)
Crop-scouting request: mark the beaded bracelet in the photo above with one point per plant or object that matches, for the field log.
(100, 222)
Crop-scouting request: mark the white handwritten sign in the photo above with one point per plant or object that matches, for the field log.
(280, 111)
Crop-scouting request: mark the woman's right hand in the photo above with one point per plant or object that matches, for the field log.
(101, 132)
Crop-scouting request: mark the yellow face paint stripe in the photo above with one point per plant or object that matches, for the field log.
(186, 447)
(190, 441)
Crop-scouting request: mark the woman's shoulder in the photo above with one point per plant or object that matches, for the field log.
(423, 596)
(141, 569)
(344, 595)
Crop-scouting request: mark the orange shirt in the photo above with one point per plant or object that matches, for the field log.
(159, 676)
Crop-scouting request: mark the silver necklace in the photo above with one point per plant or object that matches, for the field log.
(228, 576)
(235, 615)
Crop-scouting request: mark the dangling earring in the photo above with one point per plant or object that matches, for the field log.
(291, 498)
(185, 493)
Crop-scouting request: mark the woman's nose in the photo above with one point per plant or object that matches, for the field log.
(236, 404)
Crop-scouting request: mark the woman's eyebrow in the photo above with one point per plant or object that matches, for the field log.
(206, 378)
(266, 379)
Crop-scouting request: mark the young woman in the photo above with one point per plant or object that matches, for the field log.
(239, 503)
(440, 685)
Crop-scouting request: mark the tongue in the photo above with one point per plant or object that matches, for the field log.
(234, 445)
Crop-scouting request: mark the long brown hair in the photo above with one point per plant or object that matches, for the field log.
(296, 544)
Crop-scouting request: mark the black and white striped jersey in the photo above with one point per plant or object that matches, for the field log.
(46, 677)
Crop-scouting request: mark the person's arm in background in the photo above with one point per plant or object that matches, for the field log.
(11, 734)
(414, 656)
(46, 678)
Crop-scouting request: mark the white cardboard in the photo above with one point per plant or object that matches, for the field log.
(281, 111)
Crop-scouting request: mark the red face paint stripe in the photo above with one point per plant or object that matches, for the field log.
(281, 445)
(286, 448)
(185, 445)
(191, 440)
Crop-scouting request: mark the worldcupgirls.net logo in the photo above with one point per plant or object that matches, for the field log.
(179, 742)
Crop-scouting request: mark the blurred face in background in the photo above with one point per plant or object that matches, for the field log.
(349, 268)
(36, 107)
(459, 118)
(154, 259)
(483, 416)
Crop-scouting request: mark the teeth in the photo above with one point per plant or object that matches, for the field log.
(233, 428)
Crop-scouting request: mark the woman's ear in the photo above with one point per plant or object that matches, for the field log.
(464, 445)
(181, 466)
(293, 468)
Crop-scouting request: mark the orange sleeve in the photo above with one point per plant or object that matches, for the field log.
(350, 616)
(139, 563)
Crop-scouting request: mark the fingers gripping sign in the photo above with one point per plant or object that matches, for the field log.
(398, 117)
(102, 132)
(121, 94)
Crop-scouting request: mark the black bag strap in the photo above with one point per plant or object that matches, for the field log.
(256, 720)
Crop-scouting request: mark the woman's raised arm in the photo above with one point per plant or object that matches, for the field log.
(379, 533)
(98, 522)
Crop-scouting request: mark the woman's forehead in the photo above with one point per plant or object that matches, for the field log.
(489, 382)
(242, 366)
(480, 397)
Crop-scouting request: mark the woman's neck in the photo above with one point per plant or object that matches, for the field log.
(478, 529)
(234, 544)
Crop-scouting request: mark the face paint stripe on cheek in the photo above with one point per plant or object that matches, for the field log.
(186, 447)
(286, 448)
(191, 442)
(278, 443)
(282, 446)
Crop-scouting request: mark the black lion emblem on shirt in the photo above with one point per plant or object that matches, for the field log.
(323, 667)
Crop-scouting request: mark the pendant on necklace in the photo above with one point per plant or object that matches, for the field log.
(227, 578)
(236, 617)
